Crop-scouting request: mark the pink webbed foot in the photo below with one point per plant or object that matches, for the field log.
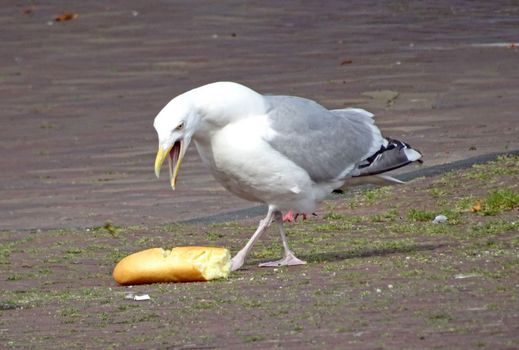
(289, 216)
(303, 215)
(289, 260)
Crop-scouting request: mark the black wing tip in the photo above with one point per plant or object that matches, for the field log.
(396, 157)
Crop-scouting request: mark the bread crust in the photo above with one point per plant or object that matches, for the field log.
(181, 264)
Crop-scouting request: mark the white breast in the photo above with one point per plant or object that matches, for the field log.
(245, 164)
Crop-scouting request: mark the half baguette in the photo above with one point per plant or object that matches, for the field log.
(180, 264)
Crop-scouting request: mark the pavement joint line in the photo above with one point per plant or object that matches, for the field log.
(260, 210)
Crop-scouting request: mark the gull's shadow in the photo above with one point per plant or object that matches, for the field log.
(366, 253)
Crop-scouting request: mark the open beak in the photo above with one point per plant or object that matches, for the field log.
(176, 153)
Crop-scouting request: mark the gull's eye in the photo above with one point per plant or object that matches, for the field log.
(180, 126)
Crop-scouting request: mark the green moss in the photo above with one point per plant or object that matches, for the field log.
(37, 297)
(5, 252)
(440, 316)
(503, 166)
(420, 215)
(494, 227)
(372, 195)
(70, 312)
(423, 228)
(413, 273)
(333, 227)
(271, 251)
(334, 216)
(14, 277)
(500, 200)
(453, 216)
(11, 246)
(214, 236)
(437, 192)
(465, 203)
(253, 338)
(388, 216)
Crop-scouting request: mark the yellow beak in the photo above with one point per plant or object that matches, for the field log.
(175, 155)
(161, 155)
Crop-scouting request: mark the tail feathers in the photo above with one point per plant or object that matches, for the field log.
(377, 180)
(387, 180)
(395, 154)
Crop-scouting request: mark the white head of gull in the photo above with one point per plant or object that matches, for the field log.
(287, 152)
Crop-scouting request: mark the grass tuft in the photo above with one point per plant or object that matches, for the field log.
(500, 200)
(420, 215)
(494, 227)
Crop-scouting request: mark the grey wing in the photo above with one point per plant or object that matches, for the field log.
(327, 144)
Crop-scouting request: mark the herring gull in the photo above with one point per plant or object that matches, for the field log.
(287, 152)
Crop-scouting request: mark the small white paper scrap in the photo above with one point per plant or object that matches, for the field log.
(463, 276)
(141, 297)
(440, 219)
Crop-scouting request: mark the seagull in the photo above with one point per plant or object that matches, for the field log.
(287, 152)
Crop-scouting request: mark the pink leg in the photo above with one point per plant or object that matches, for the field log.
(239, 259)
(289, 258)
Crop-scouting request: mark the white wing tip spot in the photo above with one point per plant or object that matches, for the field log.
(411, 154)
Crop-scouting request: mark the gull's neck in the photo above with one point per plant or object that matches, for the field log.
(219, 104)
